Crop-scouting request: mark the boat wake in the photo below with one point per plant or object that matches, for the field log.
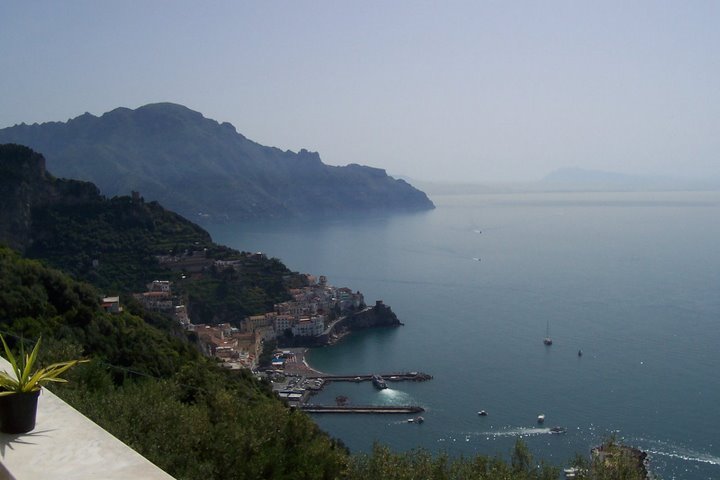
(677, 452)
(517, 432)
(497, 434)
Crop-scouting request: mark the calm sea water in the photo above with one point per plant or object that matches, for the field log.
(632, 279)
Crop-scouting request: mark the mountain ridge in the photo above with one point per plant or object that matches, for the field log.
(206, 170)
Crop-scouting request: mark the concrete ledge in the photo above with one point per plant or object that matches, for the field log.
(67, 445)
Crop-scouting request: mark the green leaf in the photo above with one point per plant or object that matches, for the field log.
(10, 357)
(30, 361)
(25, 379)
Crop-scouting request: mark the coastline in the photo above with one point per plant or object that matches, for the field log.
(297, 364)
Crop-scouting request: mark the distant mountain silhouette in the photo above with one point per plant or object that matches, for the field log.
(206, 170)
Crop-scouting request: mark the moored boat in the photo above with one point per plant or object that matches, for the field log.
(379, 382)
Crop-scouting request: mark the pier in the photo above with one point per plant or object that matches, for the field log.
(298, 391)
(376, 409)
(388, 377)
(382, 409)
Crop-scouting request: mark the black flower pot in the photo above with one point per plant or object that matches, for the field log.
(17, 412)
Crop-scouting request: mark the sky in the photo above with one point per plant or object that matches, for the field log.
(477, 91)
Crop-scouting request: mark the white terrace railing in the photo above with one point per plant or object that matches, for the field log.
(69, 446)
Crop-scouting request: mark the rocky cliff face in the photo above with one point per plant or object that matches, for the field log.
(20, 172)
(26, 186)
(378, 316)
(206, 170)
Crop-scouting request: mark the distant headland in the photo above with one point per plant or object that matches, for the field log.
(207, 171)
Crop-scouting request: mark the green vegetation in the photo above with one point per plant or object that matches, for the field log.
(114, 244)
(612, 461)
(421, 464)
(250, 288)
(37, 301)
(205, 423)
(111, 243)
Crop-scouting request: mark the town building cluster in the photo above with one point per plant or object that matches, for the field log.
(310, 312)
(235, 349)
(158, 296)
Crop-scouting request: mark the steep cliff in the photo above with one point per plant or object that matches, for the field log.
(25, 187)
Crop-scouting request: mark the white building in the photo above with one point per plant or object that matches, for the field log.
(309, 326)
(282, 323)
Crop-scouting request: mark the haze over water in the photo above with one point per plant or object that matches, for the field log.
(630, 278)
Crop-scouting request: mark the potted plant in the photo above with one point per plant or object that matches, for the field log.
(20, 389)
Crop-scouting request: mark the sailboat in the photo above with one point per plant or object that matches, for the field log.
(547, 340)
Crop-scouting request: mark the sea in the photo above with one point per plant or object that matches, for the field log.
(631, 279)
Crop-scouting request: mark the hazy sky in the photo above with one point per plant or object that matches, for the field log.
(474, 91)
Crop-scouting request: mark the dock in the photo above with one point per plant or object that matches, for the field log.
(388, 377)
(298, 391)
(381, 409)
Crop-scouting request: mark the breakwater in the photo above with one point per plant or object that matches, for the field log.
(388, 377)
(378, 409)
(342, 407)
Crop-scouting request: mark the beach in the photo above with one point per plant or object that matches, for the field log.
(296, 364)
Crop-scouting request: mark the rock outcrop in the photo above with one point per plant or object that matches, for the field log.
(378, 316)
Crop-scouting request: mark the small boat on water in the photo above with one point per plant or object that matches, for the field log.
(419, 420)
(541, 418)
(571, 473)
(547, 340)
(482, 413)
(558, 430)
(579, 353)
(379, 382)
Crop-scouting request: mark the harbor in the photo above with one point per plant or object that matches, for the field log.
(296, 390)
(296, 383)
